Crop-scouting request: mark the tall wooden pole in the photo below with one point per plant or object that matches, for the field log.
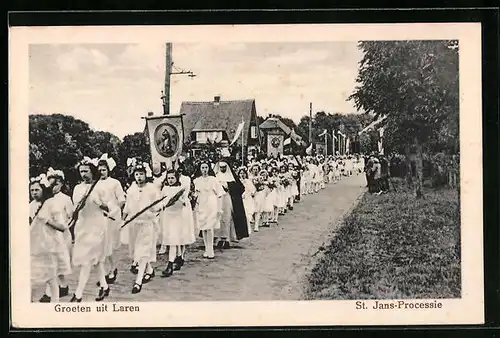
(310, 122)
(168, 72)
(333, 142)
(326, 144)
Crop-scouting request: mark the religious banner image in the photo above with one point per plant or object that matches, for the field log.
(166, 136)
(274, 145)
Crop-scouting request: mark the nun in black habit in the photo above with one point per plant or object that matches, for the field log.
(233, 223)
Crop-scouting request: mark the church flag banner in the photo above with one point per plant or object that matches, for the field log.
(238, 132)
(274, 145)
(166, 138)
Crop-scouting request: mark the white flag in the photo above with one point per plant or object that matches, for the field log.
(238, 132)
(287, 141)
(309, 149)
(322, 134)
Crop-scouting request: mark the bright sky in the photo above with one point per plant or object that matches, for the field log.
(111, 86)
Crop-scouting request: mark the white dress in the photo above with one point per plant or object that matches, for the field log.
(176, 229)
(142, 230)
(294, 190)
(115, 196)
(48, 251)
(248, 200)
(272, 195)
(260, 195)
(91, 228)
(208, 190)
(189, 226)
(64, 205)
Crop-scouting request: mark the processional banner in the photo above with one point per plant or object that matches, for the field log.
(166, 138)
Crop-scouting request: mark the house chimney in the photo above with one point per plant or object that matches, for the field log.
(217, 99)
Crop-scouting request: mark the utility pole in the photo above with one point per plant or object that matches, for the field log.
(169, 64)
(310, 122)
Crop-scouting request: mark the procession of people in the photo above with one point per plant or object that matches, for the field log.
(161, 211)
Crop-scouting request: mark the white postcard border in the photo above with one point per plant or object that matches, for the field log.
(467, 310)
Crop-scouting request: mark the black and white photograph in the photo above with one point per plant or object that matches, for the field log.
(260, 171)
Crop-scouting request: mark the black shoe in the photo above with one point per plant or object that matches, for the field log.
(63, 292)
(133, 269)
(220, 244)
(102, 294)
(226, 245)
(45, 299)
(169, 270)
(178, 263)
(75, 300)
(111, 280)
(290, 207)
(148, 277)
(136, 288)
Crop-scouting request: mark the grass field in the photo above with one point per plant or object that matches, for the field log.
(393, 246)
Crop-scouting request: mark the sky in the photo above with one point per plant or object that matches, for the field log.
(111, 86)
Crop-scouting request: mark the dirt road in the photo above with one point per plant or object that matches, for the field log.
(269, 265)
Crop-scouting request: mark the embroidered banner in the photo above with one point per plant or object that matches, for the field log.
(166, 138)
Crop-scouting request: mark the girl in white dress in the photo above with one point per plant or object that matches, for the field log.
(62, 207)
(281, 190)
(261, 191)
(174, 222)
(116, 200)
(271, 206)
(248, 197)
(142, 231)
(49, 254)
(208, 208)
(189, 227)
(294, 188)
(91, 228)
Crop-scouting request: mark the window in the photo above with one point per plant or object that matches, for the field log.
(253, 131)
(202, 136)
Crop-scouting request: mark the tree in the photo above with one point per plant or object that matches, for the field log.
(61, 141)
(58, 141)
(415, 84)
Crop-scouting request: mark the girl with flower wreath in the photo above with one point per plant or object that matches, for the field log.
(48, 251)
(91, 228)
(142, 230)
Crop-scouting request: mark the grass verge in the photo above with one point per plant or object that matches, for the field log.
(393, 247)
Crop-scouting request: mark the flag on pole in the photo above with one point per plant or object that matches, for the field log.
(238, 132)
(309, 149)
(287, 141)
(323, 133)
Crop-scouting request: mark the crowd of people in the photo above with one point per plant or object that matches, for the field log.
(161, 211)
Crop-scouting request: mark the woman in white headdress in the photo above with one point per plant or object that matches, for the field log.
(49, 252)
(226, 233)
(116, 200)
(91, 228)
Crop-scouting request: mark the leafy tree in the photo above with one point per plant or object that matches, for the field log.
(415, 84)
(58, 141)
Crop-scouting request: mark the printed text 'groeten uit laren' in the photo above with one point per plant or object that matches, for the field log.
(98, 308)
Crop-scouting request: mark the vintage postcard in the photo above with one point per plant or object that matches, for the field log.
(253, 175)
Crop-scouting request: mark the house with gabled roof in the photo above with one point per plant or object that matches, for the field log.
(217, 122)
